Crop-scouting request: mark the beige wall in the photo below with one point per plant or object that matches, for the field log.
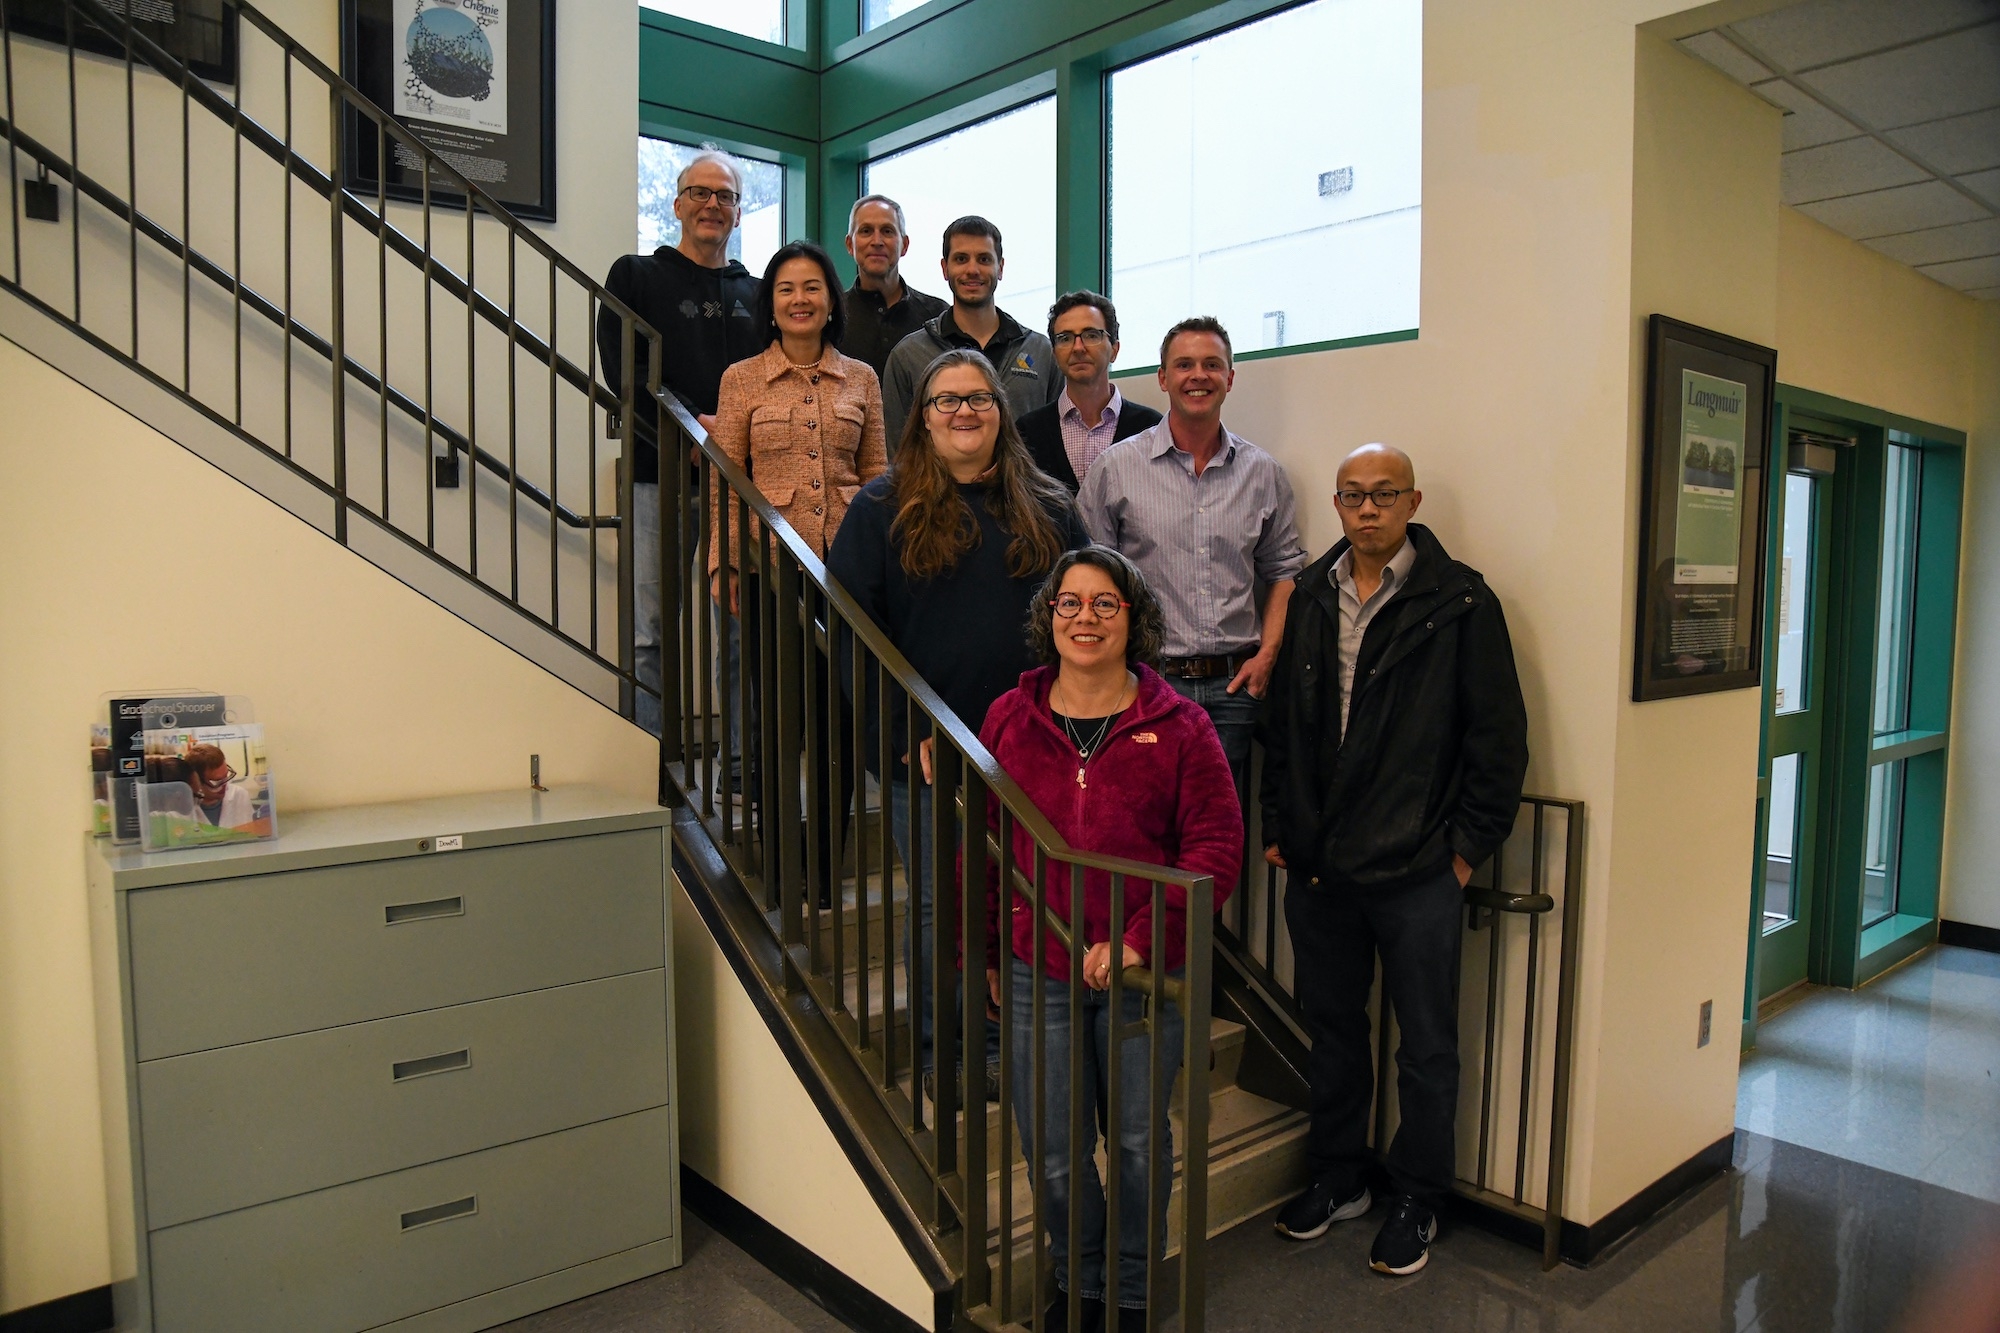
(749, 1127)
(367, 691)
(1972, 799)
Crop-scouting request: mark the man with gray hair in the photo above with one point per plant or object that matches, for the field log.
(700, 301)
(882, 309)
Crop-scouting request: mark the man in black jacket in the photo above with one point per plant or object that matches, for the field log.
(1395, 745)
(1089, 415)
(700, 302)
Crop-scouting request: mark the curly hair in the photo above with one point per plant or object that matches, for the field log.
(933, 525)
(1145, 633)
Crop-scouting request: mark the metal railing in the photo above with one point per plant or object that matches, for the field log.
(1517, 1011)
(204, 239)
(839, 708)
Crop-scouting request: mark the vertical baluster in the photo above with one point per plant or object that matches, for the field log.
(555, 473)
(1001, 947)
(813, 768)
(863, 931)
(884, 843)
(785, 602)
(1159, 1089)
(628, 532)
(714, 771)
(382, 303)
(285, 180)
(590, 454)
(1077, 1119)
(337, 109)
(1114, 1101)
(236, 242)
(838, 722)
(131, 185)
(13, 176)
(1195, 1000)
(471, 475)
(1036, 1148)
(1535, 872)
(919, 991)
(75, 174)
(1487, 1071)
(961, 1067)
(513, 433)
(187, 235)
(973, 1164)
(1566, 988)
(678, 600)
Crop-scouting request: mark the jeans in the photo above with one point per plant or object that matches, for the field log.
(646, 612)
(1136, 1213)
(1235, 719)
(1336, 933)
(745, 694)
(917, 874)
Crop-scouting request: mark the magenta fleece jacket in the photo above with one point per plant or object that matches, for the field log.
(1158, 790)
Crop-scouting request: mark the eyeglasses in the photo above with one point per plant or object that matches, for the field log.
(1384, 498)
(1088, 337)
(948, 403)
(1104, 606)
(701, 194)
(203, 780)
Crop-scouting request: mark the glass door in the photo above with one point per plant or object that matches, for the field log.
(1795, 671)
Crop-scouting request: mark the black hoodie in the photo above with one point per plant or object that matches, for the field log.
(706, 323)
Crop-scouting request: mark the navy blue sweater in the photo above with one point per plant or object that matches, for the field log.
(964, 631)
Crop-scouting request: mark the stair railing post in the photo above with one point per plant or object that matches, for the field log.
(337, 331)
(1195, 1004)
(628, 534)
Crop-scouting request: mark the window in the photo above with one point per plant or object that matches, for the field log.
(759, 231)
(1002, 168)
(874, 13)
(1895, 613)
(1271, 176)
(762, 19)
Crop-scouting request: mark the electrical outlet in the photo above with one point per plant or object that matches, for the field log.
(1707, 1023)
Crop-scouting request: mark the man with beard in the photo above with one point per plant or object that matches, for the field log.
(973, 264)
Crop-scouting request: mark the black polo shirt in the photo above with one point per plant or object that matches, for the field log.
(874, 328)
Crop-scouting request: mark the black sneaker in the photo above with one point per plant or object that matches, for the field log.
(1308, 1216)
(1403, 1245)
(1055, 1319)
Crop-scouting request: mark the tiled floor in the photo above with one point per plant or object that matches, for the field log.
(1903, 1074)
(1867, 1169)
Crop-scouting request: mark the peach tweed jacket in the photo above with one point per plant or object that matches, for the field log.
(809, 438)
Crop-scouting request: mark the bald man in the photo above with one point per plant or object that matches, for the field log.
(1395, 744)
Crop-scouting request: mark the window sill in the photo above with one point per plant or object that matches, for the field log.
(1891, 940)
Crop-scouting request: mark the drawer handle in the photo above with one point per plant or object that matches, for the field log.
(441, 1212)
(398, 913)
(430, 1064)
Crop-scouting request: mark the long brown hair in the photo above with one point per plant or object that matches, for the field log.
(933, 524)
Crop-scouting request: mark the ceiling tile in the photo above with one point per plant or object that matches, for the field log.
(1986, 293)
(1985, 184)
(1854, 166)
(1962, 143)
(1966, 274)
(1936, 245)
(1717, 51)
(1807, 123)
(1905, 208)
(1946, 76)
(1822, 31)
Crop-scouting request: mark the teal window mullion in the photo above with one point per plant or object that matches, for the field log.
(1081, 175)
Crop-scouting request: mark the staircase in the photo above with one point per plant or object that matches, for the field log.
(423, 383)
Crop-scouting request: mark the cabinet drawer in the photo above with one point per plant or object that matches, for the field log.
(364, 1254)
(260, 956)
(246, 1124)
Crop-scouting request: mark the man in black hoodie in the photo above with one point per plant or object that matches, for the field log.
(700, 301)
(1395, 745)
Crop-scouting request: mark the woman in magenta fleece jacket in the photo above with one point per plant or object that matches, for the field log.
(1123, 766)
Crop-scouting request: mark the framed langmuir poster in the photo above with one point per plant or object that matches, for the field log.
(1701, 522)
(473, 80)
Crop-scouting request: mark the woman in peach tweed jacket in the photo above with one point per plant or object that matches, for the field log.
(802, 419)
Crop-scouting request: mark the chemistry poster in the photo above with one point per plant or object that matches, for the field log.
(452, 68)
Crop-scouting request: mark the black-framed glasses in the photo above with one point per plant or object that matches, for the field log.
(702, 194)
(948, 403)
(1384, 498)
(203, 780)
(1104, 606)
(1088, 337)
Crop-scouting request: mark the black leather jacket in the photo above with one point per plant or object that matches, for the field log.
(1437, 740)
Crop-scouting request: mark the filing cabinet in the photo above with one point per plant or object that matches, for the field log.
(407, 1067)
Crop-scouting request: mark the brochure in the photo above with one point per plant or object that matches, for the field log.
(205, 785)
(129, 714)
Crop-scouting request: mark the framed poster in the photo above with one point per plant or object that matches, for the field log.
(473, 80)
(1701, 524)
(201, 33)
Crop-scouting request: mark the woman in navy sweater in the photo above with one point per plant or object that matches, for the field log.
(945, 553)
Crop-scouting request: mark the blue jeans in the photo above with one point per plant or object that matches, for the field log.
(1235, 718)
(1134, 1133)
(917, 874)
(646, 596)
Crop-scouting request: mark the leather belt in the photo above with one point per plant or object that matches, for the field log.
(1204, 668)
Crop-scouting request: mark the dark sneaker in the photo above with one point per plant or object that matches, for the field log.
(1403, 1245)
(1308, 1216)
(1055, 1319)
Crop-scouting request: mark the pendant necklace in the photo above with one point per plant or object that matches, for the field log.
(1085, 748)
